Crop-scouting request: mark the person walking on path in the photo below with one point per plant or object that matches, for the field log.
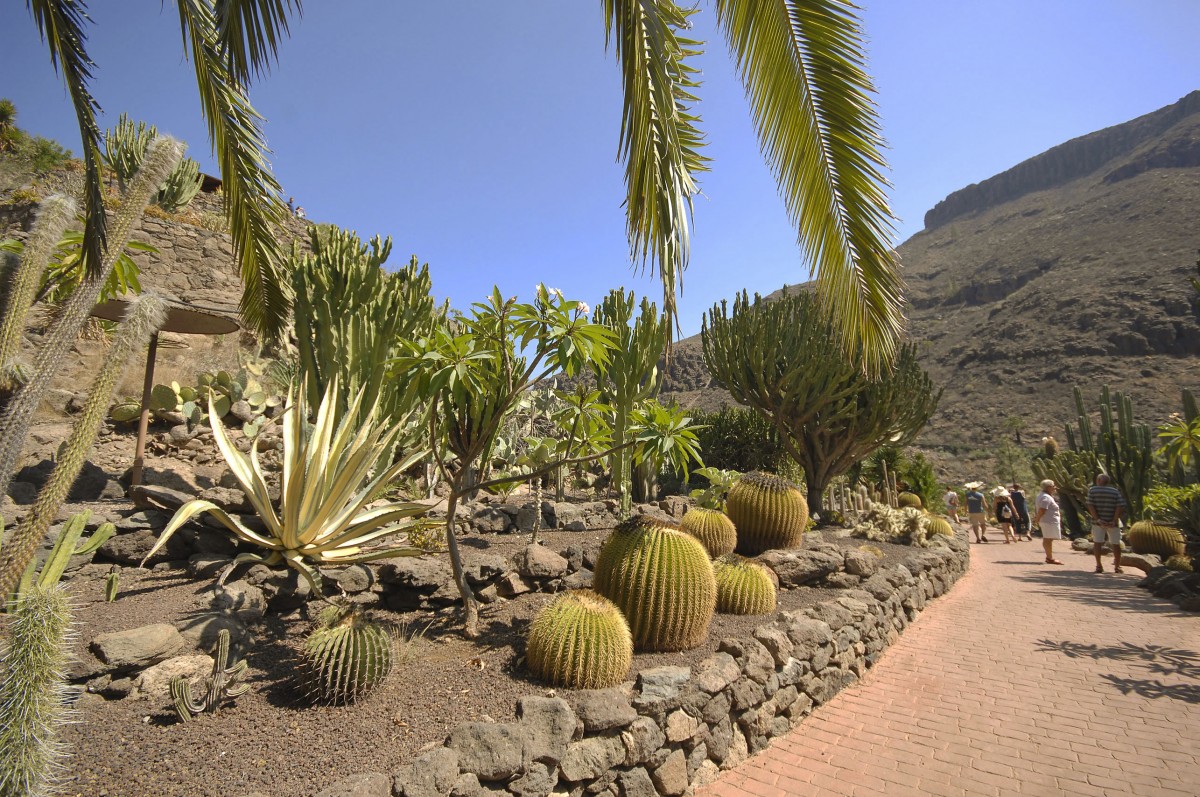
(1106, 505)
(975, 511)
(1005, 512)
(951, 499)
(1021, 524)
(1049, 519)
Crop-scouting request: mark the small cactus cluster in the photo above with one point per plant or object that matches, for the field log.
(580, 640)
(1146, 536)
(219, 686)
(877, 522)
(712, 528)
(347, 655)
(225, 390)
(1181, 563)
(904, 500)
(663, 582)
(743, 587)
(769, 513)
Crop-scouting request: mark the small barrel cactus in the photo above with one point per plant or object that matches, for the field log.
(347, 655)
(769, 513)
(1181, 563)
(939, 525)
(743, 587)
(1146, 536)
(662, 580)
(580, 640)
(712, 527)
(909, 499)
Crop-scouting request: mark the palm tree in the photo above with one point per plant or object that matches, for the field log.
(802, 65)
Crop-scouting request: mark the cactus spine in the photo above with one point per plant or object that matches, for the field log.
(743, 587)
(33, 692)
(663, 582)
(713, 528)
(1146, 536)
(580, 640)
(218, 687)
(347, 655)
(145, 316)
(769, 513)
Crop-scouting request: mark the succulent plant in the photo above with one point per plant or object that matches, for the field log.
(347, 655)
(663, 582)
(743, 587)
(1146, 536)
(580, 640)
(125, 411)
(909, 499)
(712, 527)
(768, 511)
(939, 525)
(218, 687)
(1181, 563)
(112, 584)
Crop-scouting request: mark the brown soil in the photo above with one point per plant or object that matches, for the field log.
(273, 741)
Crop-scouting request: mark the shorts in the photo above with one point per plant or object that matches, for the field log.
(1051, 531)
(1108, 534)
(978, 518)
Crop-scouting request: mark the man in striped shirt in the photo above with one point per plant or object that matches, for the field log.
(1106, 505)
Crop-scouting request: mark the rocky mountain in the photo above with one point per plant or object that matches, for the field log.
(1071, 268)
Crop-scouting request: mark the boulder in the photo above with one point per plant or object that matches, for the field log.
(797, 568)
(603, 709)
(591, 757)
(432, 774)
(132, 547)
(421, 573)
(539, 562)
(364, 784)
(242, 600)
(491, 751)
(155, 682)
(201, 630)
(861, 563)
(549, 725)
(642, 739)
(138, 647)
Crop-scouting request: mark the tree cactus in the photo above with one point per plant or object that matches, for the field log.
(347, 655)
(743, 587)
(580, 640)
(663, 582)
(1122, 447)
(1146, 536)
(713, 528)
(908, 499)
(769, 513)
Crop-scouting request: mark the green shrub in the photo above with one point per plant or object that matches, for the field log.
(740, 439)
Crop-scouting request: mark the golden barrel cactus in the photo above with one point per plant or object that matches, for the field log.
(1146, 536)
(909, 499)
(769, 513)
(347, 655)
(713, 528)
(580, 640)
(743, 587)
(939, 525)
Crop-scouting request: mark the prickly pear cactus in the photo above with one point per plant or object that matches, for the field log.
(1146, 536)
(347, 655)
(580, 640)
(743, 587)
(769, 513)
(713, 528)
(662, 580)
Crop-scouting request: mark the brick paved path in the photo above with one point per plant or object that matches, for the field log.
(1026, 679)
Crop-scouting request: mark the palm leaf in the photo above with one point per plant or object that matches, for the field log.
(660, 142)
(252, 203)
(248, 34)
(802, 65)
(60, 23)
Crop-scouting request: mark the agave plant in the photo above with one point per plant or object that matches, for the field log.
(323, 517)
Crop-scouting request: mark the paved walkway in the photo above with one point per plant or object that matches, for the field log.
(1026, 679)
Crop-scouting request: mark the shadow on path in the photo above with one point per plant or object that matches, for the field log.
(1096, 590)
(1157, 659)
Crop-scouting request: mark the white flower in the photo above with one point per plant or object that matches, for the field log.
(584, 309)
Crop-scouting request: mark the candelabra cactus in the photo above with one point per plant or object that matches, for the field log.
(1146, 536)
(769, 513)
(347, 655)
(743, 587)
(663, 582)
(580, 640)
(219, 686)
(712, 527)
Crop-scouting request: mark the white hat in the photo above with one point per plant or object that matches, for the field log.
(1000, 492)
(973, 485)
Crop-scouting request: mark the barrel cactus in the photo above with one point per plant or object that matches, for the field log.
(712, 527)
(1181, 563)
(939, 525)
(768, 512)
(580, 640)
(662, 580)
(909, 499)
(743, 587)
(347, 655)
(1146, 536)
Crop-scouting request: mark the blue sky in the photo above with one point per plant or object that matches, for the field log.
(482, 135)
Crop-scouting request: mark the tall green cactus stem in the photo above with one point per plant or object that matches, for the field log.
(662, 579)
(347, 655)
(33, 693)
(163, 154)
(631, 373)
(145, 316)
(1123, 448)
(112, 583)
(219, 686)
(580, 640)
(55, 213)
(743, 587)
(769, 512)
(713, 528)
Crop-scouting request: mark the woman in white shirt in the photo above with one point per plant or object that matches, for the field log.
(1049, 519)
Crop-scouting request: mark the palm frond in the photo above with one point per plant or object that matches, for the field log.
(802, 65)
(252, 203)
(660, 140)
(249, 32)
(61, 25)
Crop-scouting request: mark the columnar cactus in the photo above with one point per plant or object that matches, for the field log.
(662, 580)
(347, 655)
(1149, 537)
(218, 687)
(713, 528)
(580, 640)
(743, 587)
(769, 513)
